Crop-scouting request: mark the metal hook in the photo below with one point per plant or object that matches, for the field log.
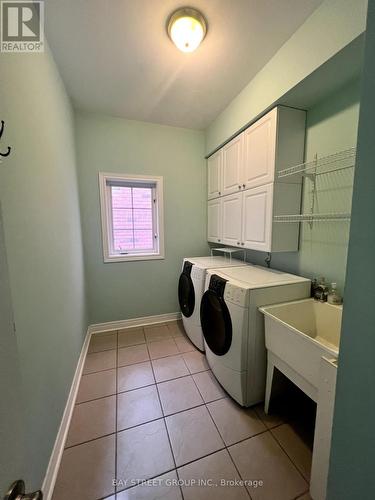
(1, 133)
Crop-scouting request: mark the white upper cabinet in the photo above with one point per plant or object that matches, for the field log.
(243, 179)
(259, 151)
(214, 174)
(257, 207)
(231, 217)
(214, 220)
(232, 166)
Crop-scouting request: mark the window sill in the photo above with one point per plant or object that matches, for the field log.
(132, 257)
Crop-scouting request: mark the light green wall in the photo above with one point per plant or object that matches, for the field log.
(39, 198)
(353, 443)
(332, 26)
(125, 290)
(331, 126)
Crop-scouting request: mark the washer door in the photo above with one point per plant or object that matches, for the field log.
(186, 295)
(216, 323)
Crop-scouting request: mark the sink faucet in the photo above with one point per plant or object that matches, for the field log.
(320, 289)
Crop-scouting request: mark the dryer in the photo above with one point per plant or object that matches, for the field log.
(233, 328)
(190, 290)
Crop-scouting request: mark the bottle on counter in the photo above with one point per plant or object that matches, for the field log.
(333, 296)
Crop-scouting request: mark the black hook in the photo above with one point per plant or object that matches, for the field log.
(1, 133)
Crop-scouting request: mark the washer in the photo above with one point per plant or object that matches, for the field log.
(190, 290)
(233, 328)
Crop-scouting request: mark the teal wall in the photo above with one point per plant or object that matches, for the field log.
(41, 218)
(331, 126)
(122, 290)
(331, 27)
(353, 443)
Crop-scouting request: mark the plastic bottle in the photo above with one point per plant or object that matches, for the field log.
(333, 296)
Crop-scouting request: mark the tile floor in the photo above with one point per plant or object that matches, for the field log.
(149, 408)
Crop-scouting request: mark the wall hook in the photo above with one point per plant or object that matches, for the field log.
(1, 133)
(17, 492)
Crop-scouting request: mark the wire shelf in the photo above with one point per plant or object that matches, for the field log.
(324, 165)
(327, 217)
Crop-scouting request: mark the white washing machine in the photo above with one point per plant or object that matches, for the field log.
(190, 290)
(233, 328)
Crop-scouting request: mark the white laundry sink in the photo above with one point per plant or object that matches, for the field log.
(298, 334)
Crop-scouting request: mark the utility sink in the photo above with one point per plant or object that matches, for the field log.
(298, 334)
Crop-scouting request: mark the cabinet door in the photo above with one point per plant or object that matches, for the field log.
(232, 214)
(214, 175)
(257, 218)
(214, 221)
(259, 156)
(232, 166)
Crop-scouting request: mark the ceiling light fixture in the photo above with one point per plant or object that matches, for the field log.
(187, 27)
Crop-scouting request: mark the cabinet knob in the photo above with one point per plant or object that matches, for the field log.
(242, 243)
(239, 187)
(238, 243)
(218, 240)
(243, 185)
(219, 192)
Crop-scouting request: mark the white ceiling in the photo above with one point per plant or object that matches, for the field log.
(116, 58)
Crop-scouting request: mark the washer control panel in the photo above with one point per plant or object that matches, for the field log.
(235, 294)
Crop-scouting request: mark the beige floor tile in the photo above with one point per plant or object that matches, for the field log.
(215, 468)
(143, 452)
(134, 376)
(87, 471)
(131, 336)
(184, 344)
(100, 342)
(297, 450)
(169, 368)
(96, 385)
(132, 355)
(179, 394)
(176, 328)
(261, 458)
(193, 435)
(208, 386)
(137, 407)
(271, 420)
(157, 332)
(162, 488)
(234, 422)
(196, 361)
(92, 420)
(162, 348)
(306, 496)
(100, 361)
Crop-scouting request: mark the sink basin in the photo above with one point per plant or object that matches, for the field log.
(298, 334)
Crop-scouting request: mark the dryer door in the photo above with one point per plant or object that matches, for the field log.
(215, 318)
(186, 295)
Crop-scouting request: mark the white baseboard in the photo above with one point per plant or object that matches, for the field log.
(126, 323)
(58, 448)
(54, 463)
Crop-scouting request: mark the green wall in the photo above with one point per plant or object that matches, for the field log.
(331, 27)
(353, 443)
(331, 126)
(41, 218)
(122, 290)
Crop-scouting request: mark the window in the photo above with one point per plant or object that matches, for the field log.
(132, 217)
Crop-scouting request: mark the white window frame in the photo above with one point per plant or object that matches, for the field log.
(106, 216)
